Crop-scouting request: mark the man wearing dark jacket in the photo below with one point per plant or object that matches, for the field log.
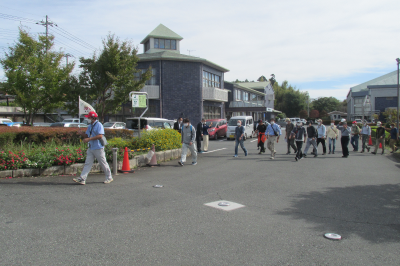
(178, 125)
(380, 138)
(311, 139)
(199, 135)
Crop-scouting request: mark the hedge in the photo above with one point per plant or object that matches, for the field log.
(58, 135)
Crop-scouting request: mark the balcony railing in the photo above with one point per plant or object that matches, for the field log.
(153, 91)
(247, 104)
(10, 109)
(215, 94)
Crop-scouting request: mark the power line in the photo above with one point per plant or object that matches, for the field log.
(66, 37)
(66, 32)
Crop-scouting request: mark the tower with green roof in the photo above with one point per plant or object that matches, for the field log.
(182, 85)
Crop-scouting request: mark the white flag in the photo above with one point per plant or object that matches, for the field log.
(85, 108)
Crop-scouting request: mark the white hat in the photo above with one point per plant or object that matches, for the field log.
(343, 120)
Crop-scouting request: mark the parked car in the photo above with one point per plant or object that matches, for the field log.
(218, 128)
(359, 121)
(303, 121)
(114, 125)
(147, 123)
(41, 124)
(62, 124)
(6, 121)
(77, 120)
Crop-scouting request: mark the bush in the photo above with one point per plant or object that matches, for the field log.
(118, 133)
(163, 139)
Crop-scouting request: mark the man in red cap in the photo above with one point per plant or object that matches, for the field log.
(94, 133)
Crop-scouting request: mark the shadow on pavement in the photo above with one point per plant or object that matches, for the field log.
(370, 212)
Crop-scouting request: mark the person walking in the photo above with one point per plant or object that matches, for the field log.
(188, 137)
(345, 138)
(332, 133)
(299, 134)
(393, 137)
(261, 128)
(321, 132)
(178, 124)
(199, 135)
(355, 135)
(93, 134)
(239, 135)
(380, 138)
(312, 135)
(365, 135)
(290, 141)
(273, 133)
(206, 137)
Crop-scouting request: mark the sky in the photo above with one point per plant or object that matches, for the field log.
(323, 47)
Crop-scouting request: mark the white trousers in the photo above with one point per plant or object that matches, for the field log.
(192, 149)
(100, 155)
(205, 142)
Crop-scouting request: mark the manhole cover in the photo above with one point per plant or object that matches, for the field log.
(333, 236)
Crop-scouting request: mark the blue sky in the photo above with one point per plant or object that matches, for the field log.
(318, 46)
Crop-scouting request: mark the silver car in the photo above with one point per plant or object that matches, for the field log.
(114, 125)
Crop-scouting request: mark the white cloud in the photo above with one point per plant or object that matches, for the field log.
(298, 41)
(339, 92)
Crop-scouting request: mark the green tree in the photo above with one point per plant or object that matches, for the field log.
(262, 79)
(390, 115)
(327, 104)
(303, 114)
(35, 75)
(109, 77)
(288, 99)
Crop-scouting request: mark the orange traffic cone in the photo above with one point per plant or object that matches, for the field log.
(125, 164)
(370, 141)
(152, 153)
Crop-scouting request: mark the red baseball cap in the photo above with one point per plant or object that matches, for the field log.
(91, 114)
(354, 122)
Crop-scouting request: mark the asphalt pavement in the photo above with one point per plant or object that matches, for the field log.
(288, 207)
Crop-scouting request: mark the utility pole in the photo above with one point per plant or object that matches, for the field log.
(46, 24)
(398, 88)
(68, 55)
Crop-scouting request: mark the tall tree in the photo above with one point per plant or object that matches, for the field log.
(109, 77)
(262, 79)
(35, 75)
(327, 104)
(288, 99)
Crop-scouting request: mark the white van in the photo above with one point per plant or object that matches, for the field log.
(247, 122)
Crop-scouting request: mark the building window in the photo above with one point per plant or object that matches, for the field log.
(151, 81)
(165, 44)
(238, 95)
(211, 112)
(211, 80)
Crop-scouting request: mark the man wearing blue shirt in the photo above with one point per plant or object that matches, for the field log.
(273, 132)
(94, 133)
(321, 129)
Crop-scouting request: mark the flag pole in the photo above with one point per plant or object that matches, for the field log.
(79, 109)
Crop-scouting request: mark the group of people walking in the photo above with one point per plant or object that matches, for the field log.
(295, 136)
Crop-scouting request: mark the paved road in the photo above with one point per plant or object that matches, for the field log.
(289, 206)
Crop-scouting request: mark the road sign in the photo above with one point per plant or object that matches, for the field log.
(135, 100)
(139, 101)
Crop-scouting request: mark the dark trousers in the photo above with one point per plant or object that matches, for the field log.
(354, 142)
(198, 141)
(345, 143)
(299, 145)
(322, 140)
(290, 143)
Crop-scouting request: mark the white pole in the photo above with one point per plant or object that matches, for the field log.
(79, 109)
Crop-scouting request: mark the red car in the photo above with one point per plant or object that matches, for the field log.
(218, 128)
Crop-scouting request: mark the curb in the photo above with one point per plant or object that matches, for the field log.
(137, 161)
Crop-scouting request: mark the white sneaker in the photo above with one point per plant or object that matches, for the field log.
(79, 180)
(108, 181)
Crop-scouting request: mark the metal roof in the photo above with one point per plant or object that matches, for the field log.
(387, 79)
(163, 32)
(239, 85)
(173, 56)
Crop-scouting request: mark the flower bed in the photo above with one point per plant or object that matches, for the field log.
(28, 154)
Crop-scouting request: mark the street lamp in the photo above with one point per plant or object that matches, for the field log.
(398, 62)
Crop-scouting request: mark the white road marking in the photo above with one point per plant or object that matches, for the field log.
(215, 150)
(253, 140)
(232, 205)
